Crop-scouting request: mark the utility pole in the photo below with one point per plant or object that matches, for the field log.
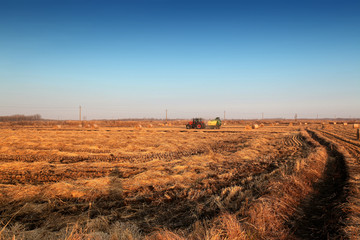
(262, 116)
(166, 114)
(80, 113)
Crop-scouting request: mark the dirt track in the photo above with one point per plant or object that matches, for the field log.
(321, 216)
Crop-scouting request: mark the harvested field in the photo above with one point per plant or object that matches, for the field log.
(280, 181)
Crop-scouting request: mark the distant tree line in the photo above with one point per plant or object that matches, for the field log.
(18, 118)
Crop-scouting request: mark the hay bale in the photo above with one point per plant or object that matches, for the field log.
(262, 125)
(248, 127)
(356, 125)
(138, 127)
(255, 126)
(334, 123)
(345, 124)
(291, 124)
(305, 123)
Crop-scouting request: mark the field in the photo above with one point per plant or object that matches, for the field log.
(149, 180)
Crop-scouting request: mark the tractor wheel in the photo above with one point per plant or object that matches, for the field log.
(199, 126)
(188, 126)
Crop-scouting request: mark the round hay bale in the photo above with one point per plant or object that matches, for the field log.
(345, 124)
(356, 125)
(255, 126)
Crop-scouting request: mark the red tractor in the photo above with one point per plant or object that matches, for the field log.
(196, 123)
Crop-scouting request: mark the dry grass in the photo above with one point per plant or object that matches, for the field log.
(152, 182)
(350, 153)
(272, 211)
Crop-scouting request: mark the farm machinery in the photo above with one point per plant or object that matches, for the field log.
(196, 123)
(199, 123)
(216, 123)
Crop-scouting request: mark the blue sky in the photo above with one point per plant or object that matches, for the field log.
(134, 59)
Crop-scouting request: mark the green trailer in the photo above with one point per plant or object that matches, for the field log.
(216, 123)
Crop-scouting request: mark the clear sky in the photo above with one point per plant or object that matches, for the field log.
(134, 59)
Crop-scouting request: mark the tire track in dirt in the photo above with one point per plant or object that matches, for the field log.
(178, 207)
(134, 158)
(351, 146)
(294, 141)
(48, 175)
(221, 146)
(181, 208)
(320, 215)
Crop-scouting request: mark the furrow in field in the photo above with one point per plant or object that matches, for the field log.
(352, 146)
(320, 216)
(13, 176)
(185, 189)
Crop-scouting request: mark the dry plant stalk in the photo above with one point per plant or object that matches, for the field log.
(114, 180)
